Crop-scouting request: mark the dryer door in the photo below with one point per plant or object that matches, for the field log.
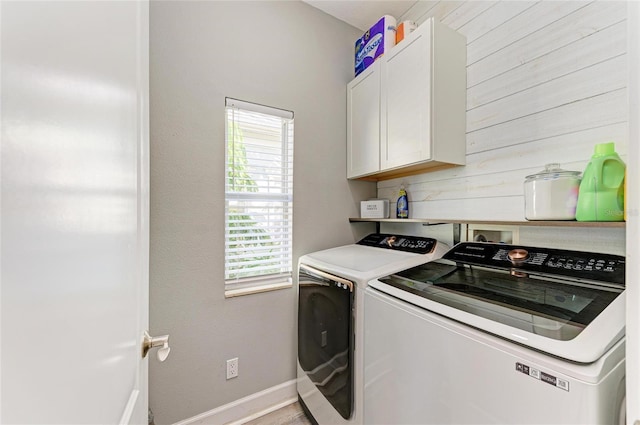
(325, 335)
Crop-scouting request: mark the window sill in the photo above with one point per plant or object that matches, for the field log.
(231, 293)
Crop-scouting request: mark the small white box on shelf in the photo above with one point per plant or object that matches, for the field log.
(374, 208)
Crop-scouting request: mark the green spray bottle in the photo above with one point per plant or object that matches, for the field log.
(601, 193)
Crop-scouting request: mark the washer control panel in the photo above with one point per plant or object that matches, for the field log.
(574, 264)
(414, 244)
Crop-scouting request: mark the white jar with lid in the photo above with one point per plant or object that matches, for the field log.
(551, 194)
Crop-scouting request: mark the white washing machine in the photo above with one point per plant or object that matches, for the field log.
(497, 334)
(331, 287)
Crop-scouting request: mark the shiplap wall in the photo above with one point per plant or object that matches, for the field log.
(546, 81)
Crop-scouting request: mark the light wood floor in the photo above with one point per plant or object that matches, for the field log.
(288, 415)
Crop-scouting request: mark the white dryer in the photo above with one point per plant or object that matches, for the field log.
(331, 287)
(498, 334)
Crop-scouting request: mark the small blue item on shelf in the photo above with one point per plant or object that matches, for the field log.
(402, 210)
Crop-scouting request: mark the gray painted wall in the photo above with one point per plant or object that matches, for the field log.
(284, 54)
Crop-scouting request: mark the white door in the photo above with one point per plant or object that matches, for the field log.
(74, 210)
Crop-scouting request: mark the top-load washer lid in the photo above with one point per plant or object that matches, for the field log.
(567, 303)
(376, 255)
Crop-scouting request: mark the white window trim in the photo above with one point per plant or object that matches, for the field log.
(255, 107)
(258, 284)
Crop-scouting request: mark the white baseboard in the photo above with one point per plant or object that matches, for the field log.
(247, 408)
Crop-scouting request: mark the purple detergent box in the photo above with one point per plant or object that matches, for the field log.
(374, 43)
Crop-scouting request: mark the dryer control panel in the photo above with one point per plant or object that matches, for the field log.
(414, 244)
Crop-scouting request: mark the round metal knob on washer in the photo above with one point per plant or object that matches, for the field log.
(518, 256)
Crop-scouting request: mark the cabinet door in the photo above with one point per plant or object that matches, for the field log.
(406, 101)
(363, 123)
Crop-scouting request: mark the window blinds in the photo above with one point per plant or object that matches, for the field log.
(258, 194)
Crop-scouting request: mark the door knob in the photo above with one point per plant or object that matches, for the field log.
(149, 342)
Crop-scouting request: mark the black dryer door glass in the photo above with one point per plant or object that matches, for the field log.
(325, 332)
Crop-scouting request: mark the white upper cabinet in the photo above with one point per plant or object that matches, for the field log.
(418, 122)
(406, 102)
(363, 122)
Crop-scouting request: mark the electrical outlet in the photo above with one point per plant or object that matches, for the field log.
(232, 368)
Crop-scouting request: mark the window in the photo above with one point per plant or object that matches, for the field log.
(258, 197)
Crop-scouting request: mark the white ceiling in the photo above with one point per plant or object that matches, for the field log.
(362, 14)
